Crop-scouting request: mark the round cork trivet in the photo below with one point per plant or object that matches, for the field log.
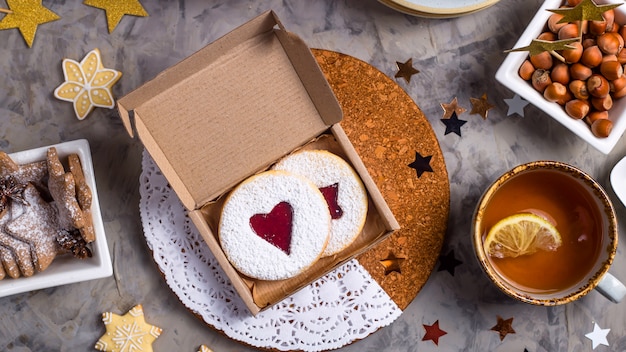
(387, 129)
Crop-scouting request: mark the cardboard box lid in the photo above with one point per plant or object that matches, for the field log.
(231, 109)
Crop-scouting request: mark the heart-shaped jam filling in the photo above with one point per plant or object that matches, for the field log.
(275, 227)
(330, 194)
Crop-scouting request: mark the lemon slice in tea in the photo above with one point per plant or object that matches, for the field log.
(521, 234)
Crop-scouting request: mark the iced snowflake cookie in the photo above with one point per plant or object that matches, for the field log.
(128, 332)
(87, 84)
(274, 225)
(342, 188)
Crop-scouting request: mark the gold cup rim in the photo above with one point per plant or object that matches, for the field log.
(610, 248)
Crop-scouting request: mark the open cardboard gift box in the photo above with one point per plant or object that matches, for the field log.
(231, 110)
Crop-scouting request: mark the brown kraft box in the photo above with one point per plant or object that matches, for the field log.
(231, 110)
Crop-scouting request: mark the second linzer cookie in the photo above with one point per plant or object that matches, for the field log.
(274, 225)
(342, 188)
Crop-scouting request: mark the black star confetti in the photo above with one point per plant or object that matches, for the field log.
(406, 70)
(421, 164)
(448, 262)
(453, 124)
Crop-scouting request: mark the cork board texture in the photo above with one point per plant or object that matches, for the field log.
(387, 129)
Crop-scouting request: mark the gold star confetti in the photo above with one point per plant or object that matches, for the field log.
(128, 332)
(504, 327)
(26, 15)
(406, 70)
(392, 264)
(453, 107)
(116, 9)
(87, 84)
(481, 106)
(584, 11)
(204, 348)
(537, 46)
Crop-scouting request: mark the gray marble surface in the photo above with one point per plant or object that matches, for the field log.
(456, 58)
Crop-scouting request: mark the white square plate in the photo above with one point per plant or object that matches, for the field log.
(508, 75)
(66, 269)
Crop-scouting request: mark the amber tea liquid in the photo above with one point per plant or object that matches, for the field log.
(575, 216)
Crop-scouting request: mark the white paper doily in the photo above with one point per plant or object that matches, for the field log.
(345, 305)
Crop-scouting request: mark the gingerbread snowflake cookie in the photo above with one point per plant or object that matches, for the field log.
(87, 84)
(44, 212)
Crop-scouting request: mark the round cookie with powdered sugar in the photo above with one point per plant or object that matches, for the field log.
(342, 188)
(274, 225)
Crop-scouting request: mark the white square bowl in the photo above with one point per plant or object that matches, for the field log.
(507, 74)
(66, 269)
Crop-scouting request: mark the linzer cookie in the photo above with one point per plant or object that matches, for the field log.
(342, 188)
(274, 225)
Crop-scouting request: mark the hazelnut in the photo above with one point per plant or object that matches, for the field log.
(611, 70)
(547, 36)
(587, 42)
(602, 104)
(622, 31)
(573, 55)
(619, 93)
(577, 108)
(592, 56)
(542, 60)
(601, 128)
(553, 24)
(598, 86)
(621, 56)
(579, 89)
(610, 43)
(609, 17)
(560, 73)
(557, 93)
(618, 84)
(607, 57)
(580, 71)
(597, 27)
(526, 70)
(570, 30)
(596, 115)
(541, 79)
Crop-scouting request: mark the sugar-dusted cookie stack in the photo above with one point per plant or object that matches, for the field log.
(45, 211)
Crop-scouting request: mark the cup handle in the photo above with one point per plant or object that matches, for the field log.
(611, 288)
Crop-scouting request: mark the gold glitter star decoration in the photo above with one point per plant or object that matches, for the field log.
(586, 10)
(481, 106)
(116, 9)
(392, 264)
(128, 332)
(26, 15)
(537, 46)
(87, 84)
(406, 70)
(503, 327)
(453, 107)
(204, 348)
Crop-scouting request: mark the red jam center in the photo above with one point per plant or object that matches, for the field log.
(275, 227)
(330, 194)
